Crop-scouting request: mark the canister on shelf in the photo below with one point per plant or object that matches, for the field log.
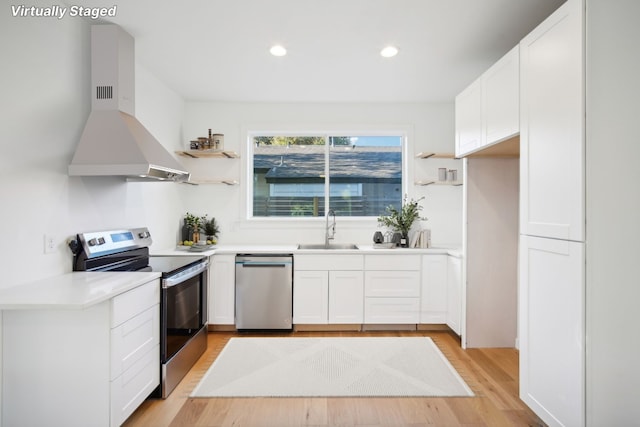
(442, 174)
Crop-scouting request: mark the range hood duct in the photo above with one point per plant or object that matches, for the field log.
(114, 142)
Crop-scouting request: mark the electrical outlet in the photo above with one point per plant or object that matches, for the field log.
(49, 244)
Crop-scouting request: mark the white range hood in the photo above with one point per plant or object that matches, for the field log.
(114, 142)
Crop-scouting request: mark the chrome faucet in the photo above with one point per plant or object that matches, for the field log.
(330, 236)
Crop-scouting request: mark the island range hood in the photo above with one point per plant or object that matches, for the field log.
(114, 142)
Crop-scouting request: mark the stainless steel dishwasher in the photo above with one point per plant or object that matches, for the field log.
(264, 291)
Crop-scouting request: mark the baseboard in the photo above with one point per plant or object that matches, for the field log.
(327, 328)
(347, 327)
(392, 327)
(433, 327)
(221, 328)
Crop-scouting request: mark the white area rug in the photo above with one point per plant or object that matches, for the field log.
(331, 367)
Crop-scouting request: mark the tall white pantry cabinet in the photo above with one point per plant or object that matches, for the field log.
(551, 274)
(578, 289)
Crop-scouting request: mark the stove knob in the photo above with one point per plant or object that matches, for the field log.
(92, 242)
(144, 234)
(101, 241)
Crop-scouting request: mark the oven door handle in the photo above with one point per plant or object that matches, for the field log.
(184, 275)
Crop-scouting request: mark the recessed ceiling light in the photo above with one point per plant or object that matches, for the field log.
(389, 51)
(278, 50)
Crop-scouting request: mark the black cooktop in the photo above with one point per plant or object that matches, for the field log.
(170, 263)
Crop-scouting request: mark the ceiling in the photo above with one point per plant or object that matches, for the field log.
(218, 50)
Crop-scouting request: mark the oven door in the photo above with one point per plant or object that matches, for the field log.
(184, 309)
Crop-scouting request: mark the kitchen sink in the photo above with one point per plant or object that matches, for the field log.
(330, 246)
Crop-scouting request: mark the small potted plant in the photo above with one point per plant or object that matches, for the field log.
(194, 223)
(211, 230)
(401, 221)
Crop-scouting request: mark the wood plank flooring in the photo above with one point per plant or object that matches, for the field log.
(492, 374)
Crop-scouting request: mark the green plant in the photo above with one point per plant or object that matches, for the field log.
(195, 222)
(210, 227)
(401, 220)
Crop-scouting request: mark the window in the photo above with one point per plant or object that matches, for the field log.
(305, 175)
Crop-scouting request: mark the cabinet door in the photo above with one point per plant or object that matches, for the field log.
(454, 293)
(468, 116)
(311, 297)
(501, 98)
(392, 283)
(130, 389)
(133, 339)
(552, 334)
(552, 127)
(433, 298)
(222, 278)
(391, 310)
(346, 297)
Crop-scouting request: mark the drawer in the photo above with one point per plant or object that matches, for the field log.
(131, 388)
(133, 339)
(328, 262)
(391, 310)
(392, 283)
(392, 262)
(131, 303)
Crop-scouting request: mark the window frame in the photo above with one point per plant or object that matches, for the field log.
(249, 132)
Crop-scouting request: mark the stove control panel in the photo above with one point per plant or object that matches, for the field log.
(99, 243)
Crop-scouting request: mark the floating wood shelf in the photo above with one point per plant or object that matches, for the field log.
(434, 182)
(200, 154)
(431, 155)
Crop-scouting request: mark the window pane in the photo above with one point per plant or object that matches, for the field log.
(288, 176)
(365, 174)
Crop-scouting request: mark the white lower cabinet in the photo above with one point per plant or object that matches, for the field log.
(310, 297)
(324, 295)
(89, 367)
(391, 310)
(433, 297)
(222, 277)
(377, 289)
(392, 289)
(454, 294)
(346, 294)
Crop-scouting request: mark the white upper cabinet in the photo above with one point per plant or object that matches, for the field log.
(501, 102)
(487, 111)
(552, 123)
(468, 116)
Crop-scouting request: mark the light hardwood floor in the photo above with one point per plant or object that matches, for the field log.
(492, 374)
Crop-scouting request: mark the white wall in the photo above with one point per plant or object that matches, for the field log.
(45, 102)
(430, 128)
(613, 203)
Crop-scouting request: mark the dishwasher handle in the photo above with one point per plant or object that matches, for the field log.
(262, 264)
(264, 261)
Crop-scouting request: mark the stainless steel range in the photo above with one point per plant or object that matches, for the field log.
(183, 298)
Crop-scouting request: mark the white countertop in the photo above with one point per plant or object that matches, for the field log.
(77, 290)
(293, 249)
